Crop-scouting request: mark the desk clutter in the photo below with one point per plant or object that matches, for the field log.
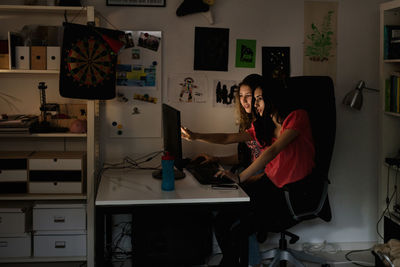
(42, 172)
(43, 230)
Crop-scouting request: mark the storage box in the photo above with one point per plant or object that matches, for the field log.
(55, 244)
(13, 222)
(12, 247)
(22, 57)
(4, 61)
(38, 57)
(60, 217)
(53, 57)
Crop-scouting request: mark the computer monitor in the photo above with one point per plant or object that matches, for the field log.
(171, 120)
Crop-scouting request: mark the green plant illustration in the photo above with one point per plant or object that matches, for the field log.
(321, 40)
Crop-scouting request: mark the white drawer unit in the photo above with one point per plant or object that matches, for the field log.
(12, 247)
(61, 217)
(59, 245)
(13, 221)
(57, 172)
(14, 171)
(55, 188)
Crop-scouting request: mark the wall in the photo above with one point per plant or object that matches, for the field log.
(353, 192)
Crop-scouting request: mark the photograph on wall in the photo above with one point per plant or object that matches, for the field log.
(224, 92)
(276, 62)
(211, 49)
(320, 38)
(187, 88)
(245, 53)
(149, 41)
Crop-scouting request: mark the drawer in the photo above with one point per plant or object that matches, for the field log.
(12, 221)
(13, 175)
(59, 219)
(55, 176)
(13, 164)
(15, 246)
(55, 188)
(13, 188)
(59, 245)
(55, 164)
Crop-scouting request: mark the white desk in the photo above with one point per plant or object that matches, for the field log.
(138, 187)
(130, 188)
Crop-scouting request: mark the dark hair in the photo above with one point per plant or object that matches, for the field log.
(277, 101)
(245, 119)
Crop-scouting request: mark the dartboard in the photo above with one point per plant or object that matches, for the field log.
(89, 62)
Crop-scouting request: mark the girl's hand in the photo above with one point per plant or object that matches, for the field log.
(230, 175)
(207, 158)
(187, 134)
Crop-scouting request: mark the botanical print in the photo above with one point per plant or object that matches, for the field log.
(320, 38)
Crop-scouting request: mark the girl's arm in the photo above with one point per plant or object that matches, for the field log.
(269, 154)
(215, 138)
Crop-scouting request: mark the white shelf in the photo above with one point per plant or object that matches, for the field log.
(30, 71)
(392, 114)
(42, 197)
(44, 135)
(391, 60)
(41, 259)
(55, 9)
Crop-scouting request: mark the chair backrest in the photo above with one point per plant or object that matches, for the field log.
(308, 198)
(316, 95)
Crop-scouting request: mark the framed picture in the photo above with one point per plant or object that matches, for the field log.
(148, 3)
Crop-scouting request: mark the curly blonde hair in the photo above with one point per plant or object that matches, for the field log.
(244, 119)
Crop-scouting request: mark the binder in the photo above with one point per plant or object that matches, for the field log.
(38, 57)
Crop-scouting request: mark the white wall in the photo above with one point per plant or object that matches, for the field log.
(353, 192)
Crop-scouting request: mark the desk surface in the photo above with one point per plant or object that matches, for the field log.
(138, 187)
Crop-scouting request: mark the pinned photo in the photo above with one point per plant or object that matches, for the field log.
(149, 41)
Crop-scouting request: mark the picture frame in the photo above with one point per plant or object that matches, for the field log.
(146, 3)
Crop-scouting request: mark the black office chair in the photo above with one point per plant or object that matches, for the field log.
(308, 198)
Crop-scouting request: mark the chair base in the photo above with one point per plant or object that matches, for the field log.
(290, 255)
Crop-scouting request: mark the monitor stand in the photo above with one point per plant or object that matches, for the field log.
(178, 174)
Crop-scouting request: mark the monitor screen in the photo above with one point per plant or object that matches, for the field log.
(172, 131)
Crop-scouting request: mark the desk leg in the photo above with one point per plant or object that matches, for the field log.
(99, 238)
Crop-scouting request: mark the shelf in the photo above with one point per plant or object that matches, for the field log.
(55, 9)
(392, 114)
(41, 259)
(42, 197)
(44, 135)
(5, 71)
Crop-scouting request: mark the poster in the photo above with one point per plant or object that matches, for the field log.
(245, 53)
(187, 88)
(320, 38)
(276, 62)
(211, 49)
(224, 93)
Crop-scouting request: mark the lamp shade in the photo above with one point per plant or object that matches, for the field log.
(354, 98)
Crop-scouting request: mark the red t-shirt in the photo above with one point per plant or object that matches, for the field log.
(296, 161)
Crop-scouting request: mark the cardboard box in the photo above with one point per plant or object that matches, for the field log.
(22, 58)
(38, 57)
(53, 57)
(4, 61)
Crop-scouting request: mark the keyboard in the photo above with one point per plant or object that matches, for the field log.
(204, 173)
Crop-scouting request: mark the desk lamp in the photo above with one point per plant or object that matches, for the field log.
(354, 98)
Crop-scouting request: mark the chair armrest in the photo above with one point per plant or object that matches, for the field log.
(313, 213)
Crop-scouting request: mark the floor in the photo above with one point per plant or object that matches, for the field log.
(362, 258)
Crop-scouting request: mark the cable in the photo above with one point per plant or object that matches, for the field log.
(359, 263)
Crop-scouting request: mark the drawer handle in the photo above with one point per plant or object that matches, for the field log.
(59, 219)
(59, 244)
(3, 244)
(55, 159)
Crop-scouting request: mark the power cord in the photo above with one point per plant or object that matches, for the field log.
(359, 263)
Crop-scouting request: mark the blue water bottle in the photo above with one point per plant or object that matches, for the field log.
(168, 176)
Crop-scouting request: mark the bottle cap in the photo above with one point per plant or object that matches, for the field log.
(167, 156)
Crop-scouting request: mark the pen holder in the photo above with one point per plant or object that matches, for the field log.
(168, 176)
